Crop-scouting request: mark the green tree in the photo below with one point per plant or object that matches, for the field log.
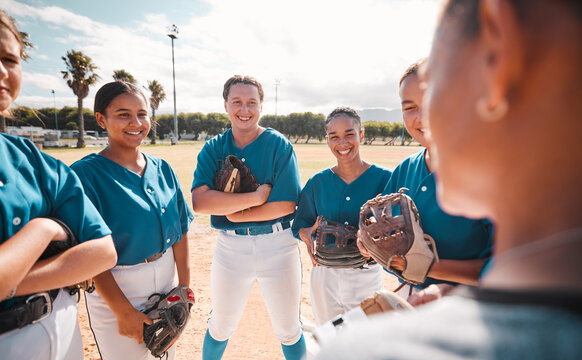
(157, 95)
(122, 75)
(80, 75)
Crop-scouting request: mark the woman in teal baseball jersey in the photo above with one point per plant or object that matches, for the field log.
(503, 92)
(139, 197)
(38, 319)
(463, 244)
(337, 193)
(255, 242)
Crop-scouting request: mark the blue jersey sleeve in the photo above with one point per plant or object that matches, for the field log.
(206, 166)
(72, 206)
(186, 215)
(306, 213)
(286, 182)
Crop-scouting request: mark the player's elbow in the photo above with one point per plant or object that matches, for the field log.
(107, 252)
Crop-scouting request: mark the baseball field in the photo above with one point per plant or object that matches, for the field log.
(254, 338)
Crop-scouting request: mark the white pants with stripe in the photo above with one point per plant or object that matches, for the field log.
(137, 282)
(273, 261)
(334, 291)
(57, 337)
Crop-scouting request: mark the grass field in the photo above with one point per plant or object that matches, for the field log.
(311, 157)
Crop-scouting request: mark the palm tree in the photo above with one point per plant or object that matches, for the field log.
(80, 74)
(122, 75)
(157, 95)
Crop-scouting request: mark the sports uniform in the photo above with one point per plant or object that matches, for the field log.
(337, 290)
(147, 215)
(33, 185)
(456, 237)
(263, 251)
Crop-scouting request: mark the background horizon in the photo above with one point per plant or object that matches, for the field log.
(325, 53)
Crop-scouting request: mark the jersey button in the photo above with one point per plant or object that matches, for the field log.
(423, 188)
(243, 159)
(16, 221)
(347, 198)
(149, 191)
(163, 211)
(346, 223)
(168, 240)
(1, 183)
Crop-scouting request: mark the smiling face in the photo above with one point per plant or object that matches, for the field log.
(411, 101)
(126, 121)
(343, 138)
(10, 69)
(244, 107)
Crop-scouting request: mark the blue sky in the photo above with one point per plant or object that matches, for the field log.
(326, 53)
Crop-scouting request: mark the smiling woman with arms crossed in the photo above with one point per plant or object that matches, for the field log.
(255, 242)
(38, 319)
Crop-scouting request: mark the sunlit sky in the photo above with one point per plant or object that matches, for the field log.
(325, 53)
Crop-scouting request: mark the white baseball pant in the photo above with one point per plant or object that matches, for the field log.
(272, 260)
(334, 291)
(57, 337)
(137, 282)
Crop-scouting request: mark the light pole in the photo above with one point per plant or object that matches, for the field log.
(55, 106)
(174, 35)
(277, 83)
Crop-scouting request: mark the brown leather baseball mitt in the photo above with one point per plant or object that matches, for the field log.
(335, 245)
(386, 236)
(234, 176)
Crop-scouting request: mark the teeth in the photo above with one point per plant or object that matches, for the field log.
(344, 152)
(133, 132)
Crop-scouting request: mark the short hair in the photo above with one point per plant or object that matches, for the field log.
(467, 12)
(9, 24)
(240, 79)
(344, 110)
(110, 91)
(412, 69)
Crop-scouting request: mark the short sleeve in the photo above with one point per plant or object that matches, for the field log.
(71, 205)
(287, 182)
(206, 166)
(306, 213)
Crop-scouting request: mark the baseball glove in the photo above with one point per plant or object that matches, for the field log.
(169, 314)
(386, 236)
(335, 245)
(234, 176)
(59, 246)
(382, 301)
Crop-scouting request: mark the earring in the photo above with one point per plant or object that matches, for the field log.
(492, 114)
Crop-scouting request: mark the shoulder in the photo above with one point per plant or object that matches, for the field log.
(378, 170)
(320, 177)
(273, 136)
(91, 161)
(18, 147)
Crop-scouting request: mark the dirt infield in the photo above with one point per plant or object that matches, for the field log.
(254, 338)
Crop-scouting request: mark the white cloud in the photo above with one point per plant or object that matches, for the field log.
(326, 52)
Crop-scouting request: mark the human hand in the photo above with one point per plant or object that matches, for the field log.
(307, 238)
(262, 193)
(130, 324)
(362, 248)
(430, 293)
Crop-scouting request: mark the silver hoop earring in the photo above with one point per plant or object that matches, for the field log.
(489, 114)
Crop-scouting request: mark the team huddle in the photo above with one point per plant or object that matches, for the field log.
(481, 274)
